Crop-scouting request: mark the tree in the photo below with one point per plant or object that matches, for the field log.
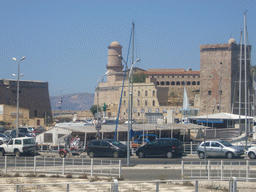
(139, 78)
(93, 109)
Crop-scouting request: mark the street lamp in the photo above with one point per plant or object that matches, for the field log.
(18, 93)
(98, 125)
(129, 114)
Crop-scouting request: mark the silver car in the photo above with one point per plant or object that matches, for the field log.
(219, 148)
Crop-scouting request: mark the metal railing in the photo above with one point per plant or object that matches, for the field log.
(218, 169)
(115, 186)
(62, 166)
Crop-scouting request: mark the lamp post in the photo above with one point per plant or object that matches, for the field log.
(98, 125)
(18, 93)
(129, 114)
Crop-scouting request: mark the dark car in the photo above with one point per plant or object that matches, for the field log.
(12, 133)
(2, 129)
(168, 147)
(106, 147)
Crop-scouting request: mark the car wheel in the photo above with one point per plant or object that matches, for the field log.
(230, 155)
(91, 154)
(62, 154)
(115, 154)
(3, 152)
(17, 153)
(252, 155)
(141, 155)
(201, 155)
(169, 155)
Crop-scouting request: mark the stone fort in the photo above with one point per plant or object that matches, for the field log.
(213, 89)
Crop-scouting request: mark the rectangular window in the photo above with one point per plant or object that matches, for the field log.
(18, 142)
(48, 137)
(209, 92)
(138, 93)
(38, 122)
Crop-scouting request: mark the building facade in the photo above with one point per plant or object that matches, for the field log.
(220, 77)
(34, 96)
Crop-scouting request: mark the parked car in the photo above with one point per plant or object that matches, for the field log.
(12, 133)
(19, 146)
(40, 130)
(147, 138)
(168, 147)
(4, 138)
(219, 148)
(251, 152)
(26, 131)
(2, 129)
(106, 147)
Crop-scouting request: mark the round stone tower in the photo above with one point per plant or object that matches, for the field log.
(114, 62)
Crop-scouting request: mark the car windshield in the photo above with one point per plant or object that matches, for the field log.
(114, 142)
(29, 141)
(225, 143)
(2, 135)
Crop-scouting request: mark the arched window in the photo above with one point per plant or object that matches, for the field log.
(138, 93)
(193, 83)
(157, 83)
(162, 82)
(198, 82)
(183, 83)
(188, 83)
(167, 83)
(146, 103)
(177, 83)
(172, 83)
(138, 102)
(153, 93)
(146, 93)
(153, 103)
(124, 93)
(124, 102)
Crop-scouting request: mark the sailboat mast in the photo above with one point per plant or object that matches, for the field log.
(240, 78)
(245, 77)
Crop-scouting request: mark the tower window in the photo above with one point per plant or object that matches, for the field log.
(209, 92)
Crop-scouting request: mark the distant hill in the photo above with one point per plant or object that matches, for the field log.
(77, 101)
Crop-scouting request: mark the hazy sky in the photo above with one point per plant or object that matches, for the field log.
(65, 42)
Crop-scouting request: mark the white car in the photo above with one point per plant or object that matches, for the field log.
(251, 153)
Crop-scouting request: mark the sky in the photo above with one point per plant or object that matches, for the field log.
(65, 42)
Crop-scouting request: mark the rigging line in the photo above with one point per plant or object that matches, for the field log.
(120, 102)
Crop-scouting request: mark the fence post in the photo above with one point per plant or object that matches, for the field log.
(42, 147)
(68, 187)
(34, 164)
(119, 168)
(63, 166)
(247, 170)
(182, 170)
(91, 167)
(221, 170)
(157, 186)
(196, 186)
(58, 146)
(209, 169)
(191, 148)
(5, 164)
(234, 184)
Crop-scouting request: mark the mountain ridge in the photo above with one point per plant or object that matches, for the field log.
(75, 101)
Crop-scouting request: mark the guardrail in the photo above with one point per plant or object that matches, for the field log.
(218, 169)
(116, 186)
(62, 166)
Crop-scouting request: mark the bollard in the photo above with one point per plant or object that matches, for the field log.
(221, 171)
(115, 186)
(157, 186)
(196, 186)
(247, 170)
(67, 187)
